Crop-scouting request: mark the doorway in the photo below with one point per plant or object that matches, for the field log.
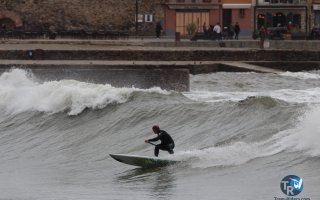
(317, 18)
(7, 24)
(226, 17)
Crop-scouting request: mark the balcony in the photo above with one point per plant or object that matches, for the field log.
(282, 2)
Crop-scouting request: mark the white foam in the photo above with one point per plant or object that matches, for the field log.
(233, 154)
(211, 97)
(19, 92)
(311, 95)
(301, 75)
(306, 136)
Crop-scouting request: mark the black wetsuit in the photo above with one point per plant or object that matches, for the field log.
(167, 143)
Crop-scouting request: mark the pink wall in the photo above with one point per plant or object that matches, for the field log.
(214, 17)
(246, 21)
(170, 21)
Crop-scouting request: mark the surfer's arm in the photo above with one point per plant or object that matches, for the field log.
(154, 139)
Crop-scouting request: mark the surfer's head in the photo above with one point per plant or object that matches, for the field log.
(156, 129)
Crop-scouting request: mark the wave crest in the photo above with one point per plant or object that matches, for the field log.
(20, 93)
(301, 75)
(264, 101)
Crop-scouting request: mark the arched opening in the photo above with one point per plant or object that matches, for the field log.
(297, 20)
(7, 24)
(260, 20)
(269, 20)
(289, 18)
(10, 20)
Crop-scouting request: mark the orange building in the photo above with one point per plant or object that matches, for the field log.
(180, 13)
(240, 11)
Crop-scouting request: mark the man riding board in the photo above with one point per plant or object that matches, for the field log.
(167, 143)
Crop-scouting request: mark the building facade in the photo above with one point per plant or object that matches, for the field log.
(240, 11)
(180, 13)
(279, 13)
(174, 15)
(315, 13)
(114, 15)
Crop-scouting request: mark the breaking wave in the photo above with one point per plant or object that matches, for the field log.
(311, 95)
(20, 92)
(302, 139)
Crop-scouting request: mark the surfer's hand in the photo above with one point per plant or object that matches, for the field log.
(146, 141)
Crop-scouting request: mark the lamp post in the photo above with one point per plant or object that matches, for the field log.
(137, 11)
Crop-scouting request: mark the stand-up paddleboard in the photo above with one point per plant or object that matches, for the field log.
(142, 161)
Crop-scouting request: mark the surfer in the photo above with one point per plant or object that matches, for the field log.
(167, 143)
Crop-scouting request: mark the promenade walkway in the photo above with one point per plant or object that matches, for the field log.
(146, 63)
(166, 45)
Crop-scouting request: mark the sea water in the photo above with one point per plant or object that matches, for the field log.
(239, 134)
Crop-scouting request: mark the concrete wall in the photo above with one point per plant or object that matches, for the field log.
(163, 55)
(168, 79)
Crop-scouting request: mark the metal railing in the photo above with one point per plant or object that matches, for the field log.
(75, 34)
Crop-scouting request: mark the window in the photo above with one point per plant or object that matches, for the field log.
(241, 13)
(140, 18)
(148, 18)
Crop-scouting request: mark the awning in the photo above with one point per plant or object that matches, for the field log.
(236, 6)
(193, 6)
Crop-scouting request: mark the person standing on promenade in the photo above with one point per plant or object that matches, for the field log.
(237, 30)
(158, 30)
(217, 31)
(262, 34)
(204, 28)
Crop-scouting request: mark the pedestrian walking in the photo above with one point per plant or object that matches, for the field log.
(237, 30)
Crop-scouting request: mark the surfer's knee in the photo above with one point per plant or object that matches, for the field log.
(171, 147)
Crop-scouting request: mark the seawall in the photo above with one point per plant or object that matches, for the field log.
(151, 54)
(145, 64)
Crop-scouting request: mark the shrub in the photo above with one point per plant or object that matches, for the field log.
(191, 28)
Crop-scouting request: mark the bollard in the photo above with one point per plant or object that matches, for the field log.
(177, 36)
